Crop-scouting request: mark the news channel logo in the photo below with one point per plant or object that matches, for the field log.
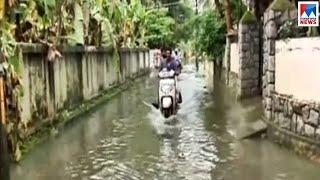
(308, 13)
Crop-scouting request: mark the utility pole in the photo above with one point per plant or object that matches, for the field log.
(197, 63)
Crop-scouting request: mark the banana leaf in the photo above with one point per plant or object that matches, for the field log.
(78, 34)
(17, 62)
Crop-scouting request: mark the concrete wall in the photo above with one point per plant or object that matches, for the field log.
(297, 68)
(152, 54)
(228, 70)
(234, 58)
(82, 74)
(209, 71)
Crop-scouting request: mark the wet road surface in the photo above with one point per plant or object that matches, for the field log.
(128, 139)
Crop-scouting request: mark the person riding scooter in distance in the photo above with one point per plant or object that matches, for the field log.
(169, 62)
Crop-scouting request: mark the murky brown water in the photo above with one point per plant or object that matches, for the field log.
(127, 139)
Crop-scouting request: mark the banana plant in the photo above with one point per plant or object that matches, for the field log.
(139, 16)
(65, 21)
(38, 19)
(13, 65)
(7, 39)
(120, 24)
(77, 37)
(105, 19)
(124, 25)
(100, 24)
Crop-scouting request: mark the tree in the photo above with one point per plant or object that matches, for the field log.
(228, 15)
(160, 29)
(219, 7)
(182, 15)
(211, 33)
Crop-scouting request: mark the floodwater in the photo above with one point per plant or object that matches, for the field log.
(128, 139)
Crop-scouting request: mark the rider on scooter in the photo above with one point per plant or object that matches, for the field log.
(170, 63)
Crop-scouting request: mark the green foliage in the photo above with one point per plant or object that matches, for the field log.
(16, 62)
(166, 27)
(248, 18)
(114, 23)
(281, 5)
(205, 33)
(77, 36)
(290, 29)
(37, 20)
(210, 34)
(159, 29)
(118, 23)
(238, 9)
(7, 41)
(183, 14)
(313, 31)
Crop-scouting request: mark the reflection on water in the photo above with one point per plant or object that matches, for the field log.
(128, 139)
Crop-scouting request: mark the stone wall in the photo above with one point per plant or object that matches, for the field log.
(209, 71)
(278, 12)
(270, 35)
(293, 122)
(298, 121)
(81, 75)
(233, 65)
(241, 65)
(300, 117)
(249, 49)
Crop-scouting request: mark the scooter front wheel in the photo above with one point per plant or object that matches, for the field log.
(167, 113)
(180, 98)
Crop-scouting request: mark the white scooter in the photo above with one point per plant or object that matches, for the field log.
(168, 95)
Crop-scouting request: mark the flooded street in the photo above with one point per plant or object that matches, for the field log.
(127, 139)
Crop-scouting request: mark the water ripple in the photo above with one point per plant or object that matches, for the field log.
(186, 150)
